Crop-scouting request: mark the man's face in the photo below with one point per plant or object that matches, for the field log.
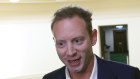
(73, 43)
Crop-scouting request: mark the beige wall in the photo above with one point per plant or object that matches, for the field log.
(26, 44)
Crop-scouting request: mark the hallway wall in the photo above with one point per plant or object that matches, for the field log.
(26, 44)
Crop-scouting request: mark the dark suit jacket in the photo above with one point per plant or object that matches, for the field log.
(106, 70)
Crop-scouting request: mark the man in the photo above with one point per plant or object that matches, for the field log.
(74, 38)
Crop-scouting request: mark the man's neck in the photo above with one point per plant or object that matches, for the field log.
(86, 74)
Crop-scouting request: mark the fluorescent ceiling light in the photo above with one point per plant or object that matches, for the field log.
(14, 1)
(119, 27)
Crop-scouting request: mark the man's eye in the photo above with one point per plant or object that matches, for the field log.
(78, 41)
(60, 44)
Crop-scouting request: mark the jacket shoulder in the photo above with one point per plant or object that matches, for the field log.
(124, 70)
(115, 65)
(119, 70)
(57, 74)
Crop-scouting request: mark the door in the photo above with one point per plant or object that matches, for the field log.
(120, 41)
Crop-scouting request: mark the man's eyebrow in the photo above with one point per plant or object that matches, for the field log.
(56, 40)
(79, 37)
(60, 40)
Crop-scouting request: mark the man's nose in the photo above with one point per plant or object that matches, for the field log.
(71, 51)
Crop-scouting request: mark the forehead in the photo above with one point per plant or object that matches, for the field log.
(69, 27)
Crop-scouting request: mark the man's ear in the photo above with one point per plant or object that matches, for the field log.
(94, 37)
(53, 39)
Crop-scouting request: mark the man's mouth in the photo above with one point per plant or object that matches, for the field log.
(74, 62)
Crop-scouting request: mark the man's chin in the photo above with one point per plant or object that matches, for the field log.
(75, 70)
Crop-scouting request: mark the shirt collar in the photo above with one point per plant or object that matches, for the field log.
(67, 73)
(93, 74)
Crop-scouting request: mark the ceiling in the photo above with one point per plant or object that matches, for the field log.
(40, 1)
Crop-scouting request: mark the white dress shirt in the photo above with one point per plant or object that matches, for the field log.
(93, 74)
